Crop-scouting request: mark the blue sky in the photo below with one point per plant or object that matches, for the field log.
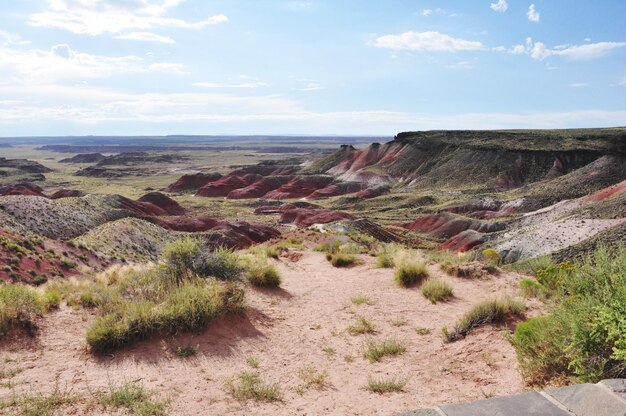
(133, 67)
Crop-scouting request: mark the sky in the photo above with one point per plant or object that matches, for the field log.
(345, 67)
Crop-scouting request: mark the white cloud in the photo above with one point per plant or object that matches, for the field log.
(427, 12)
(579, 85)
(539, 51)
(100, 110)
(533, 14)
(8, 38)
(95, 17)
(146, 36)
(168, 68)
(623, 81)
(501, 6)
(61, 63)
(311, 86)
(426, 41)
(244, 85)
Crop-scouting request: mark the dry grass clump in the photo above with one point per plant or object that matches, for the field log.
(135, 399)
(436, 290)
(410, 273)
(343, 260)
(362, 326)
(375, 350)
(494, 311)
(250, 386)
(313, 378)
(135, 303)
(20, 305)
(264, 276)
(361, 300)
(386, 386)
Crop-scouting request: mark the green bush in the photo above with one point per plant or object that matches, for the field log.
(492, 256)
(19, 307)
(179, 257)
(51, 299)
(409, 274)
(148, 309)
(531, 288)
(222, 263)
(342, 260)
(264, 276)
(494, 311)
(68, 264)
(40, 280)
(436, 290)
(585, 335)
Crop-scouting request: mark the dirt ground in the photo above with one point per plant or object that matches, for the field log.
(302, 324)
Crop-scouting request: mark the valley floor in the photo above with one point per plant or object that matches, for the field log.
(303, 324)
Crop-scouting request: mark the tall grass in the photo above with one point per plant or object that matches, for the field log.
(494, 311)
(436, 290)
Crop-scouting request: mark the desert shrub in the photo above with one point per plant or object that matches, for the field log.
(264, 276)
(222, 263)
(68, 264)
(585, 335)
(51, 299)
(140, 306)
(492, 256)
(386, 386)
(250, 386)
(552, 277)
(272, 252)
(376, 350)
(330, 247)
(362, 326)
(187, 351)
(409, 274)
(361, 300)
(40, 280)
(494, 311)
(384, 259)
(134, 398)
(19, 307)
(531, 288)
(179, 257)
(436, 290)
(342, 260)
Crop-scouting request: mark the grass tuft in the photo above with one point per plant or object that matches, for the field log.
(386, 386)
(362, 300)
(409, 274)
(436, 290)
(343, 260)
(362, 326)
(250, 386)
(134, 398)
(264, 276)
(376, 350)
(20, 305)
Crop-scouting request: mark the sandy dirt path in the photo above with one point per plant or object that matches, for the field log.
(302, 324)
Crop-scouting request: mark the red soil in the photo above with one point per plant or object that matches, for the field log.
(192, 182)
(373, 192)
(300, 187)
(39, 260)
(304, 217)
(67, 193)
(336, 189)
(164, 202)
(27, 189)
(187, 224)
(222, 187)
(260, 187)
(446, 225)
(463, 241)
(607, 193)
